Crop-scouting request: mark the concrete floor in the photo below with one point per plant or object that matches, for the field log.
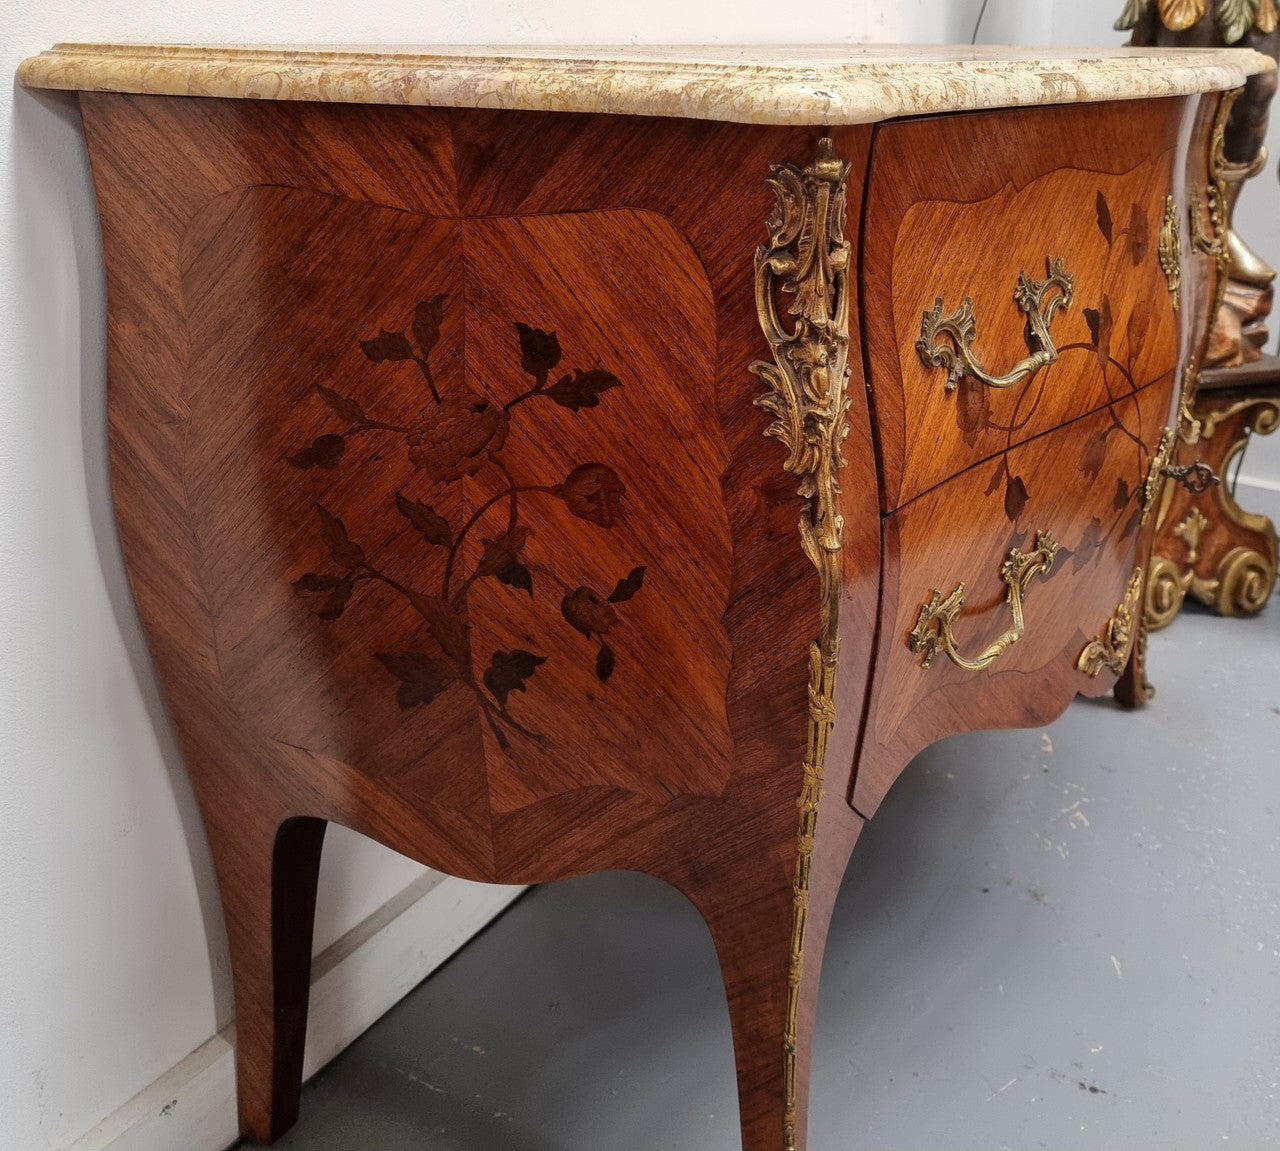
(1064, 938)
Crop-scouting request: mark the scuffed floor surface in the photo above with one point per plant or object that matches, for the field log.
(1066, 938)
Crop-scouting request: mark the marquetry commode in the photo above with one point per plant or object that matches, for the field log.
(464, 406)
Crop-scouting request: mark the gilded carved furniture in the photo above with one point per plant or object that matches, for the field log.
(552, 465)
(1207, 546)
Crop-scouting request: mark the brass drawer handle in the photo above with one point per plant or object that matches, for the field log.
(1032, 297)
(933, 633)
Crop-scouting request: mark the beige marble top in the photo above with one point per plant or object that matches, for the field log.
(827, 84)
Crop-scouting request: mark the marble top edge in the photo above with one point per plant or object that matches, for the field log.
(794, 84)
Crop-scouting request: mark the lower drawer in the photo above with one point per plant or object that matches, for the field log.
(1052, 529)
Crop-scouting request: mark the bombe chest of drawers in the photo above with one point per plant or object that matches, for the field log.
(547, 464)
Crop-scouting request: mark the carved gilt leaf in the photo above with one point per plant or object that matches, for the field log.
(1179, 14)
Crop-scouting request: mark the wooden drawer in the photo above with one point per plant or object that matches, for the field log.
(963, 532)
(963, 209)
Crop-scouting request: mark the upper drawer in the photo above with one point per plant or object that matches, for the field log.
(960, 208)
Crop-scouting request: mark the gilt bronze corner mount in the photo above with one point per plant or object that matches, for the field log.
(808, 257)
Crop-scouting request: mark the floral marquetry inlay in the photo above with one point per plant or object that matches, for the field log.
(461, 436)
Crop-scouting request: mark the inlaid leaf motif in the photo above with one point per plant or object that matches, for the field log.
(346, 554)
(421, 677)
(1136, 332)
(1139, 234)
(456, 436)
(1123, 494)
(337, 601)
(322, 452)
(388, 346)
(1002, 470)
(628, 586)
(337, 591)
(1104, 214)
(344, 406)
(432, 526)
(1104, 332)
(593, 492)
(1090, 542)
(539, 350)
(461, 437)
(605, 663)
(1095, 454)
(515, 574)
(1015, 497)
(582, 389)
(447, 626)
(1267, 18)
(1099, 321)
(1234, 17)
(508, 670)
(584, 610)
(1018, 539)
(427, 317)
(501, 551)
(973, 408)
(312, 582)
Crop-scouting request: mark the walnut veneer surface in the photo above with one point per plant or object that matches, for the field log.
(453, 515)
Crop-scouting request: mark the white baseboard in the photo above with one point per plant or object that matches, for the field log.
(1260, 482)
(192, 1106)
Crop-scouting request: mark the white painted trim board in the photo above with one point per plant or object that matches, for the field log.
(353, 983)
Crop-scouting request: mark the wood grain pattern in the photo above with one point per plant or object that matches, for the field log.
(450, 517)
(961, 531)
(961, 206)
(270, 242)
(550, 528)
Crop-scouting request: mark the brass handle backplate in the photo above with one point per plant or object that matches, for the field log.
(933, 631)
(1037, 298)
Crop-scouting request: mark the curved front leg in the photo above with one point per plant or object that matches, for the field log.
(752, 915)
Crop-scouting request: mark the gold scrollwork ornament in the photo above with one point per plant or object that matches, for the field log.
(1154, 483)
(1170, 249)
(808, 258)
(1112, 643)
(1212, 243)
(1190, 529)
(1242, 580)
(1038, 299)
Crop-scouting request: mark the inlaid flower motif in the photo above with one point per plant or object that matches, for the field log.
(588, 611)
(593, 492)
(460, 437)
